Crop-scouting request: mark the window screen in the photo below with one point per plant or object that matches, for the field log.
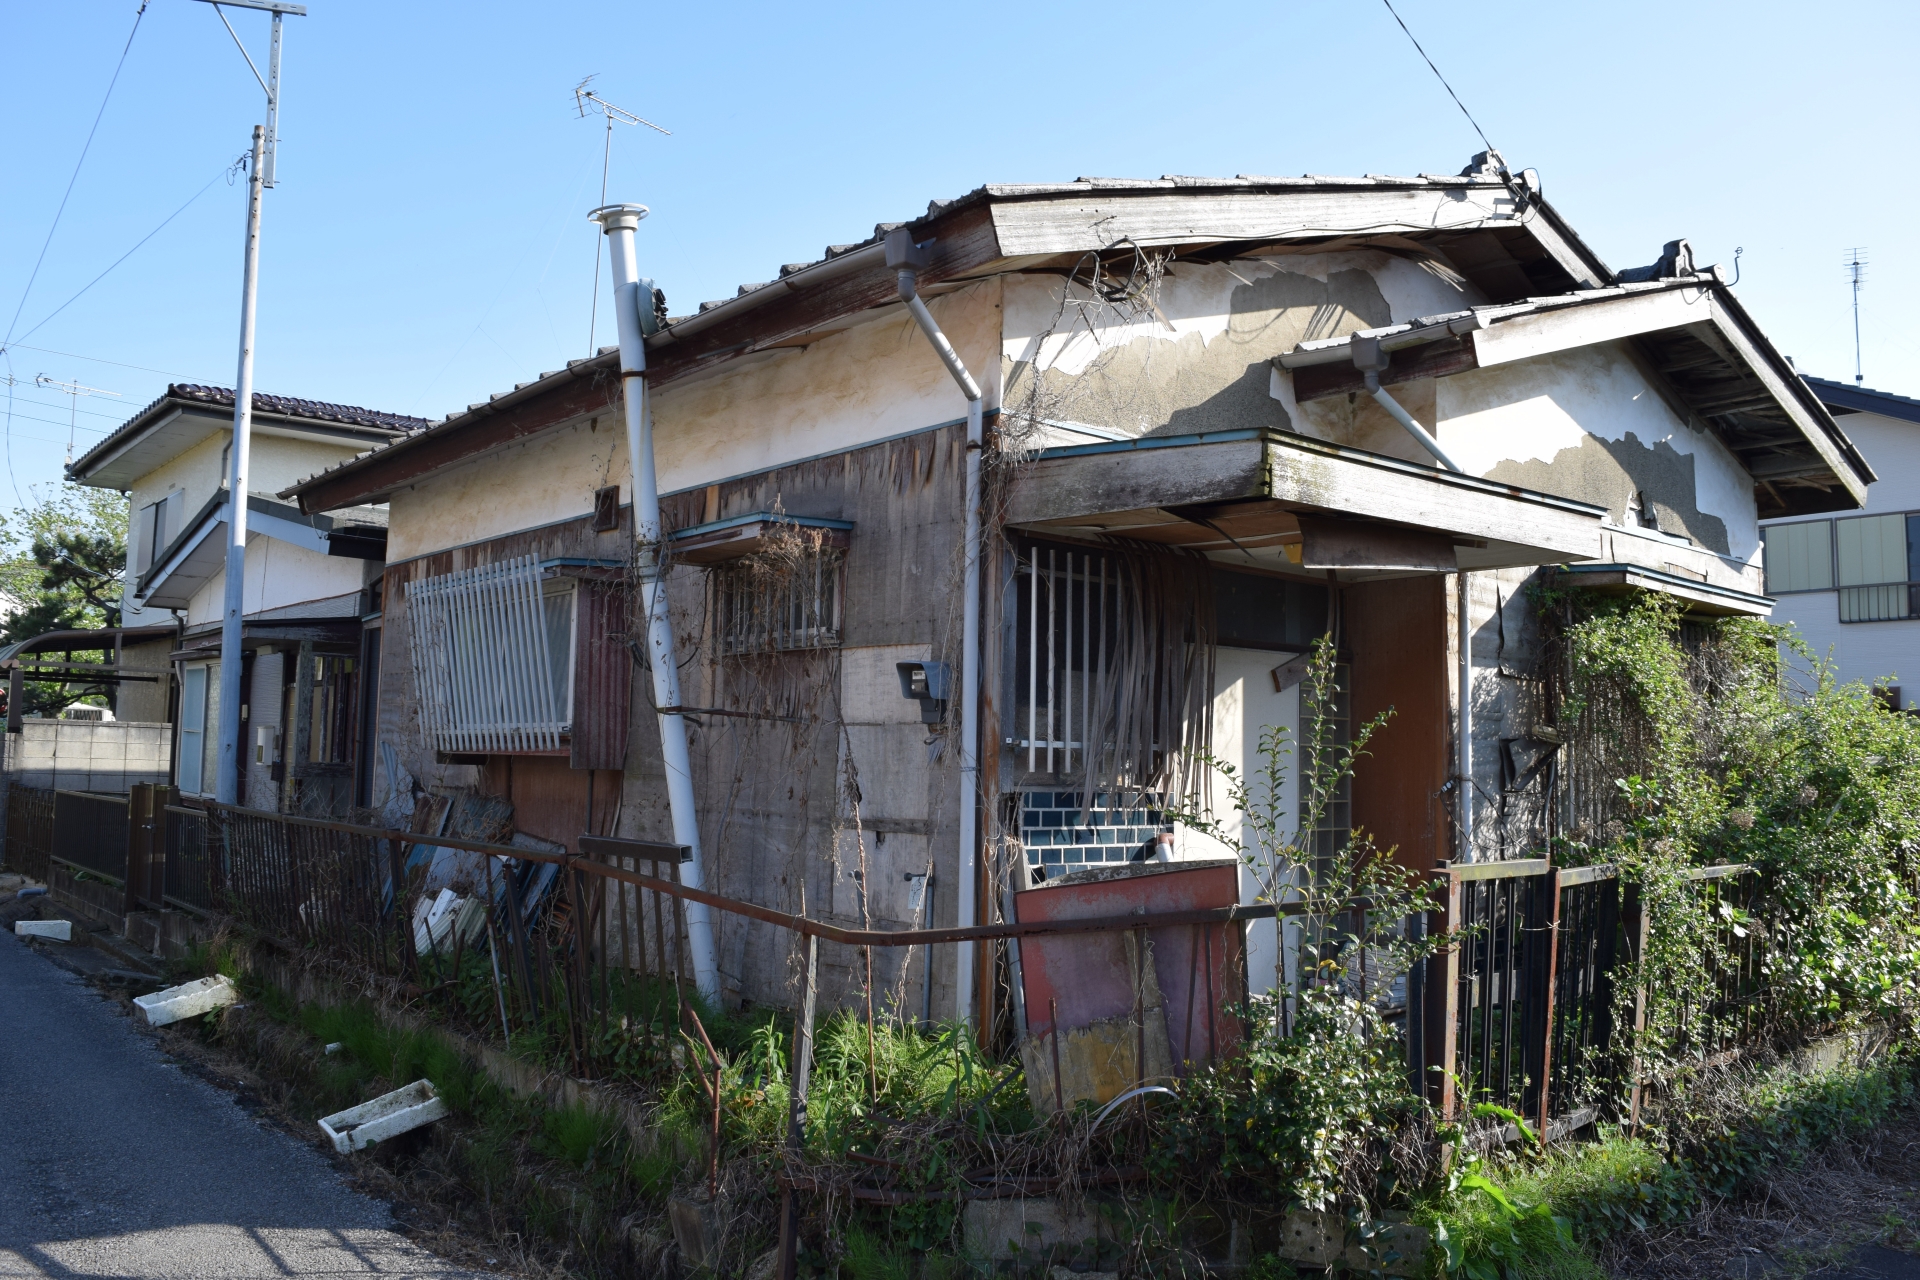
(1799, 557)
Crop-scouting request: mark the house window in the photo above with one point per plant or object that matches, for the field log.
(772, 604)
(1877, 567)
(1799, 557)
(199, 723)
(157, 524)
(493, 657)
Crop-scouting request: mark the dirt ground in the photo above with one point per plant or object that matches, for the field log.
(1852, 1214)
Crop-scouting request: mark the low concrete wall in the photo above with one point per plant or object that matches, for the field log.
(87, 755)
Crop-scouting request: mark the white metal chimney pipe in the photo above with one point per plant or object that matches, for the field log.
(629, 296)
(226, 786)
(905, 257)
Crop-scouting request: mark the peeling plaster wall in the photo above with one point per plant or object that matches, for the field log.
(878, 380)
(1198, 359)
(1587, 424)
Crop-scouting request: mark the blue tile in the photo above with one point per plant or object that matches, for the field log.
(1051, 857)
(1073, 855)
(1033, 857)
(1031, 800)
(1053, 818)
(1083, 836)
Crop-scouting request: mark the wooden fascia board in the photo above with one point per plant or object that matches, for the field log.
(1586, 324)
(1100, 481)
(1091, 221)
(1793, 396)
(1080, 483)
(1347, 482)
(1558, 242)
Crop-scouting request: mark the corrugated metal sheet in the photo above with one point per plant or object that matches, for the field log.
(602, 678)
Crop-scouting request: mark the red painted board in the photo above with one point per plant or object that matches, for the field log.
(1198, 966)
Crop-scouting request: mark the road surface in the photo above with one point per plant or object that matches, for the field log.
(115, 1162)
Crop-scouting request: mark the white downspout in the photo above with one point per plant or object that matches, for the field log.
(629, 296)
(906, 258)
(1463, 835)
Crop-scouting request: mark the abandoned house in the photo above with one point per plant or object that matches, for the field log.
(308, 579)
(1223, 417)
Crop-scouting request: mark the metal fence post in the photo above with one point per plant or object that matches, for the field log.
(139, 842)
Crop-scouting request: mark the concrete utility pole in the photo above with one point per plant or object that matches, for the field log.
(633, 308)
(260, 174)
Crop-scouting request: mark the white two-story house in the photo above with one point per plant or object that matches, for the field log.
(1850, 585)
(306, 588)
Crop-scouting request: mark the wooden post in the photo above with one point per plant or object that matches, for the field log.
(1546, 1002)
(139, 810)
(1633, 913)
(1443, 998)
(797, 1109)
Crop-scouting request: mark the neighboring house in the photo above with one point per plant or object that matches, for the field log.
(1188, 480)
(1851, 586)
(306, 589)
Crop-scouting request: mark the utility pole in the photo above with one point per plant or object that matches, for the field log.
(260, 174)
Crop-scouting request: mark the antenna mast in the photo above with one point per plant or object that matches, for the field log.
(1856, 265)
(588, 102)
(73, 391)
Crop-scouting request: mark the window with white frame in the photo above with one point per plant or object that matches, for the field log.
(493, 657)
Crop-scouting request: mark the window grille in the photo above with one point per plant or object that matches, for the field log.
(772, 604)
(1113, 668)
(493, 657)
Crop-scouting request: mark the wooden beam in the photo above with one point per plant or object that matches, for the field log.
(1434, 360)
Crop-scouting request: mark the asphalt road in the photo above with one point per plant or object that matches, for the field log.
(114, 1162)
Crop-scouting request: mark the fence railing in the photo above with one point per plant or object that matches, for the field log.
(90, 833)
(29, 829)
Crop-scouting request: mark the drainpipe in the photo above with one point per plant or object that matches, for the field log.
(1463, 829)
(633, 305)
(906, 258)
(1372, 362)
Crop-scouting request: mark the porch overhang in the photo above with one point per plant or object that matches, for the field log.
(1295, 505)
(1705, 598)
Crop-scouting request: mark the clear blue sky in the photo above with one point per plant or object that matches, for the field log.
(427, 243)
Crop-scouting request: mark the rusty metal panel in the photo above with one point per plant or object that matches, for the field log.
(602, 679)
(1086, 976)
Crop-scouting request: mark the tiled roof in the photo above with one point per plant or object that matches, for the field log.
(1847, 397)
(280, 406)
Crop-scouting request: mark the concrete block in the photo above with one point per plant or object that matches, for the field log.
(1001, 1230)
(699, 1228)
(384, 1117)
(189, 1000)
(51, 930)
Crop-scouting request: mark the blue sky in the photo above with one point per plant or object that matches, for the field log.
(427, 243)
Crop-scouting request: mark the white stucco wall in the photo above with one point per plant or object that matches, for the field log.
(278, 574)
(877, 380)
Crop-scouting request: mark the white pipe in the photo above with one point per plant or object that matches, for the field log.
(226, 787)
(629, 296)
(1463, 833)
(906, 257)
(1406, 420)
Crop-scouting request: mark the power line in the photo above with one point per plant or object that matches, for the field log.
(123, 257)
(1442, 79)
(119, 364)
(86, 147)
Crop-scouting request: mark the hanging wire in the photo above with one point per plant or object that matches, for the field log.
(1442, 79)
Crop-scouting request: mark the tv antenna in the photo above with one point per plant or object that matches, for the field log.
(588, 102)
(1856, 265)
(73, 391)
